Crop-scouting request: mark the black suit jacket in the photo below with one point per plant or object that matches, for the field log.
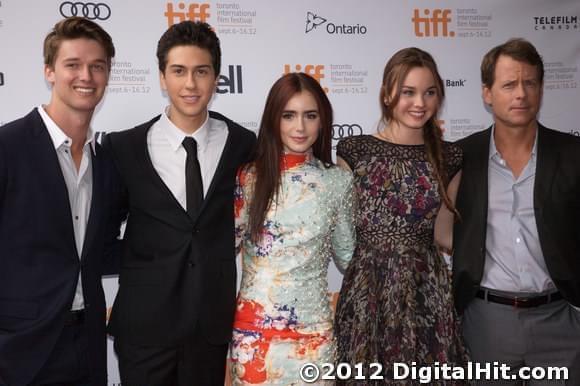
(176, 271)
(556, 208)
(39, 263)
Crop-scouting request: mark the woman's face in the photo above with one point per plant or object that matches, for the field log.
(300, 123)
(418, 101)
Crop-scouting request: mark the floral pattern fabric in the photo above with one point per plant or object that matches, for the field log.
(395, 304)
(283, 318)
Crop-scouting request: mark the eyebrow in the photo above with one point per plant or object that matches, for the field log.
(194, 67)
(294, 111)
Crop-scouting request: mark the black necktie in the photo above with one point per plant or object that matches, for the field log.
(193, 182)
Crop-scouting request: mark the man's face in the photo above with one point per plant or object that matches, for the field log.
(190, 81)
(515, 95)
(79, 75)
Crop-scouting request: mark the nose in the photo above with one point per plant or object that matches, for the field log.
(190, 83)
(419, 100)
(520, 90)
(86, 73)
(300, 124)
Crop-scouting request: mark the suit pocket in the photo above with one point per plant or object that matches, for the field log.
(142, 276)
(20, 309)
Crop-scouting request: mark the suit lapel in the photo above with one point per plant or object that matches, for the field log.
(96, 204)
(48, 168)
(144, 158)
(546, 165)
(479, 172)
(221, 167)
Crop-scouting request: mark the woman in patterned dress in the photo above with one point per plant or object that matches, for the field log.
(395, 304)
(293, 213)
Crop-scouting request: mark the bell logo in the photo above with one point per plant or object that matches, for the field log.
(231, 82)
(429, 24)
(195, 12)
(315, 71)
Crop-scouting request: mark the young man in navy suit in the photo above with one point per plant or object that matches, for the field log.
(173, 315)
(58, 203)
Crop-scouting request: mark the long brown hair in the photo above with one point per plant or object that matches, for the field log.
(396, 70)
(270, 148)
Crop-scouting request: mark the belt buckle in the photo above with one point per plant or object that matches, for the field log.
(519, 302)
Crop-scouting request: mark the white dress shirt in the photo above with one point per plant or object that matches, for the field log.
(79, 184)
(514, 259)
(168, 154)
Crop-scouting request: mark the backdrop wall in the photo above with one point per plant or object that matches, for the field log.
(344, 44)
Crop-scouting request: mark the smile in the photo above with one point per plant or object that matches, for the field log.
(85, 90)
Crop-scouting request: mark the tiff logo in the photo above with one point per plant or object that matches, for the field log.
(1, 79)
(429, 24)
(314, 70)
(194, 12)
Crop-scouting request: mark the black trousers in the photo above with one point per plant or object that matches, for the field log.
(68, 364)
(195, 362)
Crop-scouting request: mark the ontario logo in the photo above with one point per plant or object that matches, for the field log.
(189, 11)
(313, 21)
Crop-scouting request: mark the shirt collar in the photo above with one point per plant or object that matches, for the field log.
(58, 136)
(175, 135)
(493, 149)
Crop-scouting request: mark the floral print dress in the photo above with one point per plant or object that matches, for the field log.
(396, 304)
(283, 318)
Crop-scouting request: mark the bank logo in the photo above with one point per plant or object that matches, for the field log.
(1, 79)
(189, 11)
(314, 70)
(232, 83)
(91, 11)
(346, 130)
(313, 21)
(433, 23)
(562, 22)
(455, 82)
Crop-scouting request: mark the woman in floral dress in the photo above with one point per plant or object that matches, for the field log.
(395, 304)
(293, 214)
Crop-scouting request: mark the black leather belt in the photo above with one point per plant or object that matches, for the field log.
(519, 302)
(75, 317)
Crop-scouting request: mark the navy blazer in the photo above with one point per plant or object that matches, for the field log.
(177, 272)
(39, 263)
(556, 208)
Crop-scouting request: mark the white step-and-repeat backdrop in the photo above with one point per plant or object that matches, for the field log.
(343, 44)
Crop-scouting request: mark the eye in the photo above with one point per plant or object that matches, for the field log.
(312, 115)
(431, 92)
(177, 71)
(287, 116)
(71, 65)
(202, 71)
(98, 67)
(407, 92)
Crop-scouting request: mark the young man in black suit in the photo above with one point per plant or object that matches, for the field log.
(516, 266)
(172, 318)
(58, 203)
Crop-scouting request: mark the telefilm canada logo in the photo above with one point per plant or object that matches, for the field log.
(91, 11)
(314, 21)
(556, 23)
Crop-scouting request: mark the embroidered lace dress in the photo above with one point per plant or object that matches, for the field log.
(396, 304)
